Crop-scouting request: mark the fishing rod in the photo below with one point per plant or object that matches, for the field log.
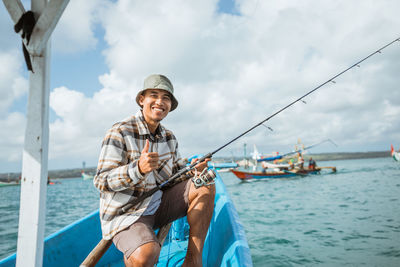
(209, 155)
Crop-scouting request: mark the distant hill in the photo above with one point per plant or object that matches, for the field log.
(348, 155)
(53, 174)
(73, 173)
(330, 156)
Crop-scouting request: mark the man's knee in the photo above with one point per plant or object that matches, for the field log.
(145, 255)
(204, 193)
(210, 191)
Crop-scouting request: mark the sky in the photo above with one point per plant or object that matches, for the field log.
(232, 64)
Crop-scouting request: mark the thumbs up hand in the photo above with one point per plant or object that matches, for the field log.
(148, 161)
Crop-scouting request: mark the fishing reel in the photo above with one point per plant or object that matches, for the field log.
(204, 178)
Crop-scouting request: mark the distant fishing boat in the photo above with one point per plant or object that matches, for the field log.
(86, 176)
(3, 184)
(225, 244)
(242, 175)
(223, 166)
(395, 154)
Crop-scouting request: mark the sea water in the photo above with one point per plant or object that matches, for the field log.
(67, 201)
(350, 218)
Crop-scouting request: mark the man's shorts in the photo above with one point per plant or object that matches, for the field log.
(174, 205)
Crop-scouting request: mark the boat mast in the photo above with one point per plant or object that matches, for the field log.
(35, 155)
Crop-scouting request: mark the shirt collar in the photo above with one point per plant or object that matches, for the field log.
(144, 129)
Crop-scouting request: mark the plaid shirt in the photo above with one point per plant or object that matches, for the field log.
(118, 178)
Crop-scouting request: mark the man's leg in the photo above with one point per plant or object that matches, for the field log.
(139, 243)
(144, 256)
(201, 206)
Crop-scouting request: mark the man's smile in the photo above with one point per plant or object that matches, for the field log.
(159, 109)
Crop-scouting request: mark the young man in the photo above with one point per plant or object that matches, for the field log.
(137, 154)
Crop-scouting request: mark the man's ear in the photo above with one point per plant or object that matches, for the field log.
(141, 98)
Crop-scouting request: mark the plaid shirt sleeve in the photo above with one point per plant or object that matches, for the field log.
(115, 172)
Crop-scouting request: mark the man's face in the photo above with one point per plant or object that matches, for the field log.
(156, 104)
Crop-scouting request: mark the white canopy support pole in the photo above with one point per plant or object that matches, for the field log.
(45, 25)
(15, 8)
(34, 168)
(35, 155)
(32, 211)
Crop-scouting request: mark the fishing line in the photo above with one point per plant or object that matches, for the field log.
(209, 155)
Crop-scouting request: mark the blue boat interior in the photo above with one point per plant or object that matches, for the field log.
(225, 244)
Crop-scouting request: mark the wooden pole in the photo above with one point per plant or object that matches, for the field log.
(96, 254)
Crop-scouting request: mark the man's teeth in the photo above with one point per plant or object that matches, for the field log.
(158, 109)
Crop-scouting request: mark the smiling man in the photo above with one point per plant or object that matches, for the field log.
(137, 154)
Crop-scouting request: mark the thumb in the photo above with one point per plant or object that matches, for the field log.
(146, 147)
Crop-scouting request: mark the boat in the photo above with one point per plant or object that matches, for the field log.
(242, 175)
(280, 166)
(225, 244)
(223, 166)
(86, 176)
(3, 184)
(246, 163)
(395, 154)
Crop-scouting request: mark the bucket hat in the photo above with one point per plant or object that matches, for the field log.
(158, 81)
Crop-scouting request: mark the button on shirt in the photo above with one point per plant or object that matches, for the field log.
(118, 178)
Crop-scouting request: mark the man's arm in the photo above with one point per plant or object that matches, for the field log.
(114, 171)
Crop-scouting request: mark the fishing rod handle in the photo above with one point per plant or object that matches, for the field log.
(152, 191)
(186, 169)
(137, 200)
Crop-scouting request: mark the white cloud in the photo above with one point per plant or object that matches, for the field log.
(12, 84)
(82, 121)
(76, 29)
(12, 137)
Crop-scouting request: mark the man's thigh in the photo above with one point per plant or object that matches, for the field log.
(135, 236)
(174, 204)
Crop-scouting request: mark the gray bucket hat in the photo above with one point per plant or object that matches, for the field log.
(158, 81)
